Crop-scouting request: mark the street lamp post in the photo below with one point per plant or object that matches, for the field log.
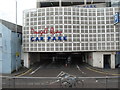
(16, 39)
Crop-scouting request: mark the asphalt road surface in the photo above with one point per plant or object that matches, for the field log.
(47, 75)
(79, 70)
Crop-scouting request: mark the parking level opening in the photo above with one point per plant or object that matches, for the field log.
(57, 59)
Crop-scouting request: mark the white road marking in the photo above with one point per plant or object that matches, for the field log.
(55, 82)
(35, 70)
(60, 73)
(80, 69)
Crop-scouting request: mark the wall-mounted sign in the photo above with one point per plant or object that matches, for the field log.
(47, 31)
(91, 5)
(17, 54)
(116, 18)
(60, 38)
(86, 6)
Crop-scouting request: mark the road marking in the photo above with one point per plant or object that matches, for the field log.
(61, 73)
(54, 82)
(115, 74)
(35, 70)
(102, 72)
(23, 73)
(80, 69)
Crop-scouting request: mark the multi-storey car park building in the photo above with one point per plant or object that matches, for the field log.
(61, 30)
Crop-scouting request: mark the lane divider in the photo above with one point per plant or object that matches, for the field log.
(35, 70)
(80, 69)
(94, 70)
(24, 73)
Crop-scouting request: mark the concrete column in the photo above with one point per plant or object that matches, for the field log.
(60, 2)
(26, 60)
(85, 2)
(112, 61)
(102, 61)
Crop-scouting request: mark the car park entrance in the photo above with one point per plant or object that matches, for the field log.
(60, 59)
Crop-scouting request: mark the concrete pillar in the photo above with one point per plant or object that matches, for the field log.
(112, 61)
(85, 2)
(60, 2)
(26, 60)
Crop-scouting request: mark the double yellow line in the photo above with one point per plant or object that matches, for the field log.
(94, 70)
(18, 75)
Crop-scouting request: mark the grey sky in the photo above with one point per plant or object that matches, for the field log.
(8, 9)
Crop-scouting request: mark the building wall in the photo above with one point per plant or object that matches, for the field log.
(115, 3)
(1, 48)
(15, 40)
(90, 58)
(96, 59)
(27, 60)
(86, 29)
(7, 50)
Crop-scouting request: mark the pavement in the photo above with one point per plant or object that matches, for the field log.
(15, 73)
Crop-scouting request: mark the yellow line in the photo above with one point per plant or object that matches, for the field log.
(102, 72)
(23, 73)
(115, 74)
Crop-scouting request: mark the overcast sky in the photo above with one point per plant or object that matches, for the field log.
(8, 9)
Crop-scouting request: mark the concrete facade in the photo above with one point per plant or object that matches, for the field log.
(96, 59)
(26, 60)
(90, 30)
(8, 40)
(85, 29)
(115, 3)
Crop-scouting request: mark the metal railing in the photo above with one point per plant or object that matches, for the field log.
(60, 82)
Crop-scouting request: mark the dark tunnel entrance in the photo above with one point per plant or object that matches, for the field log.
(57, 59)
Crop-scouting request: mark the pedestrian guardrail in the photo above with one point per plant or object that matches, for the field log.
(60, 82)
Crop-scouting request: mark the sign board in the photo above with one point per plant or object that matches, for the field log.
(91, 5)
(17, 54)
(118, 53)
(116, 18)
(49, 31)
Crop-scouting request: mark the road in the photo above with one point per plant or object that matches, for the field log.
(79, 70)
(48, 76)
